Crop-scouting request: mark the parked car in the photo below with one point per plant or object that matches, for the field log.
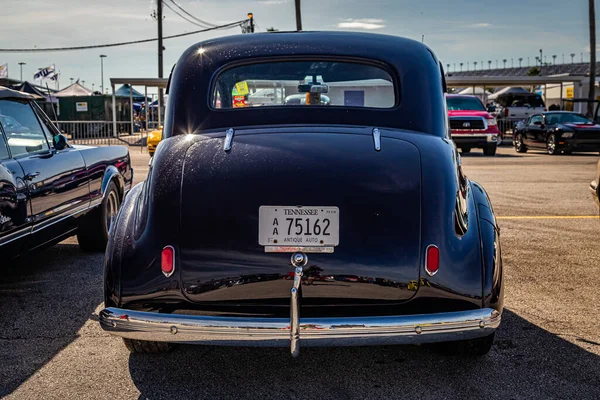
(511, 108)
(154, 138)
(300, 99)
(595, 185)
(557, 132)
(366, 191)
(49, 189)
(471, 125)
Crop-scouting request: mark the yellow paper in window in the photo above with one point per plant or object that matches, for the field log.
(242, 88)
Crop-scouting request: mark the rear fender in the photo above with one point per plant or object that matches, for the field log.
(112, 174)
(491, 252)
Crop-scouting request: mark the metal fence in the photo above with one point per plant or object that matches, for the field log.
(102, 133)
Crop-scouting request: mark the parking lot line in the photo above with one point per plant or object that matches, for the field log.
(549, 217)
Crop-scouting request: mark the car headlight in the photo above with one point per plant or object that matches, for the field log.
(492, 122)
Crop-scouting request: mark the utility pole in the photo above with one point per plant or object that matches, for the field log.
(21, 66)
(592, 85)
(298, 16)
(102, 57)
(159, 19)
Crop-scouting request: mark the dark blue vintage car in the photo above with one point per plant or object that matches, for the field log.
(49, 189)
(274, 224)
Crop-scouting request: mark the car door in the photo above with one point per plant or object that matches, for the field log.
(56, 180)
(14, 222)
(534, 130)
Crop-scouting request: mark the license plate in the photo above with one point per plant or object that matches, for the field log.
(292, 227)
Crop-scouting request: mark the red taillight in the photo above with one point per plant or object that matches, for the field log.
(167, 261)
(432, 259)
(506, 112)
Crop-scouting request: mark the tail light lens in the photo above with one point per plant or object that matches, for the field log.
(167, 261)
(432, 260)
(506, 112)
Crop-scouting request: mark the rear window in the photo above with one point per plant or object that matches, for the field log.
(521, 101)
(464, 103)
(304, 83)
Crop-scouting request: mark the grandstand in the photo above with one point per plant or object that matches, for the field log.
(578, 69)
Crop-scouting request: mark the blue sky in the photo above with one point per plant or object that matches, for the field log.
(457, 30)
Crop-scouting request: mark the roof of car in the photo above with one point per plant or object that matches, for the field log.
(6, 93)
(413, 66)
(461, 95)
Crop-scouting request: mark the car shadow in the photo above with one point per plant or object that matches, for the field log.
(45, 299)
(525, 362)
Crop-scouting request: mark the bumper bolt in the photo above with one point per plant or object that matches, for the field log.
(481, 324)
(114, 324)
(173, 330)
(418, 330)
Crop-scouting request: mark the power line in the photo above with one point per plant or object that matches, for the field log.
(97, 46)
(183, 17)
(190, 15)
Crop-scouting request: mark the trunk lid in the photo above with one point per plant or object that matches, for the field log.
(379, 199)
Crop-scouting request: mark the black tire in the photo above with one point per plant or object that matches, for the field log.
(490, 150)
(472, 347)
(518, 143)
(92, 232)
(551, 146)
(145, 347)
(465, 150)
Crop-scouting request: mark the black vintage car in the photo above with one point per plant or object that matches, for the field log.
(328, 213)
(557, 132)
(49, 189)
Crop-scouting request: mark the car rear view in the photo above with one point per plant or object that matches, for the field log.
(471, 125)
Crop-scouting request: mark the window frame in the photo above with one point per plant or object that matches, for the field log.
(4, 140)
(42, 151)
(396, 84)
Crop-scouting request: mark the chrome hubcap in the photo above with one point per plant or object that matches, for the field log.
(112, 206)
(518, 141)
(551, 144)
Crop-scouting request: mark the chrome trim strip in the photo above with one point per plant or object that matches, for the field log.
(377, 139)
(359, 331)
(228, 139)
(59, 218)
(296, 249)
(296, 295)
(11, 237)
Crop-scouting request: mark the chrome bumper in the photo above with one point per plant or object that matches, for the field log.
(354, 331)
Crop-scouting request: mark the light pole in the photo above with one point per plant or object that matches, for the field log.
(474, 65)
(102, 57)
(520, 61)
(553, 59)
(92, 88)
(504, 61)
(489, 64)
(83, 83)
(572, 58)
(461, 64)
(448, 70)
(71, 80)
(21, 67)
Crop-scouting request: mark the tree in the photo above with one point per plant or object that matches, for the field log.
(271, 29)
(592, 85)
(534, 71)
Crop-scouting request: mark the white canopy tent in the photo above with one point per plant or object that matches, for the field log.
(74, 89)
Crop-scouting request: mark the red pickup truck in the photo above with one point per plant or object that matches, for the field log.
(471, 125)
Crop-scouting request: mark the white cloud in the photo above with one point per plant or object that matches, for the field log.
(362, 23)
(482, 25)
(587, 48)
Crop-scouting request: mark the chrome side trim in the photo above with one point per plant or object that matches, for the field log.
(377, 139)
(276, 332)
(228, 139)
(59, 218)
(11, 237)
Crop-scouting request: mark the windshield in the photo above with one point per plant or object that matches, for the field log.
(464, 103)
(564, 118)
(304, 83)
(520, 100)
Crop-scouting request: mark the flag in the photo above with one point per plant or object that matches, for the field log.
(43, 73)
(53, 76)
(4, 71)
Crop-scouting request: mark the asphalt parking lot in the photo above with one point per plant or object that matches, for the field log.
(51, 345)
